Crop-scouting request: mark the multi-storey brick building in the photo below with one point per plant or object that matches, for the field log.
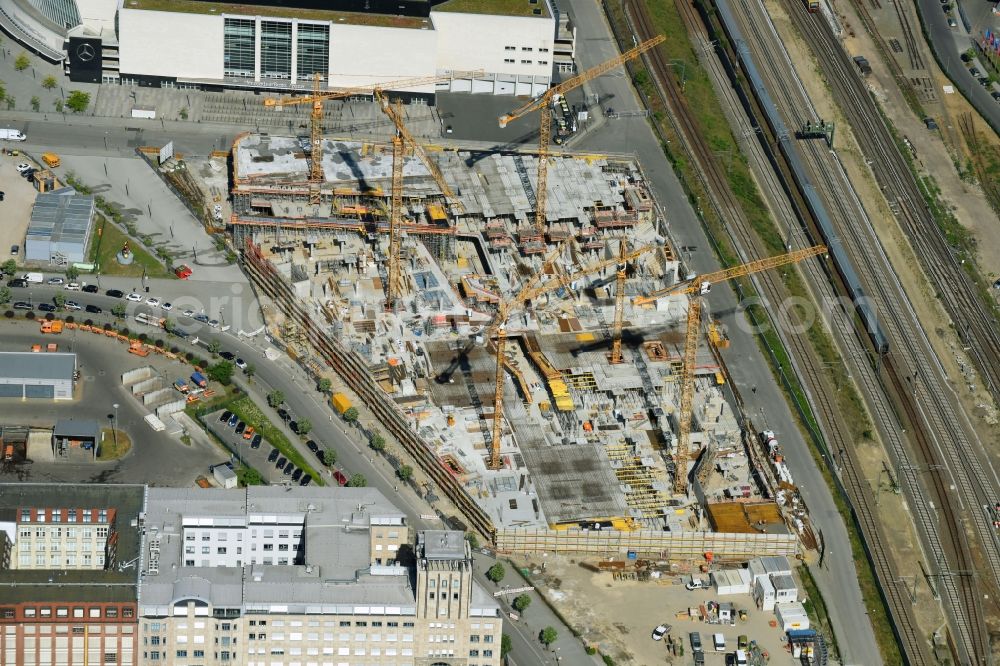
(68, 578)
(310, 576)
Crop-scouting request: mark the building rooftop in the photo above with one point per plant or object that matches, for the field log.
(17, 365)
(113, 584)
(77, 428)
(228, 8)
(61, 216)
(537, 8)
(442, 544)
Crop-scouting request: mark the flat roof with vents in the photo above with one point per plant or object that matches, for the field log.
(60, 224)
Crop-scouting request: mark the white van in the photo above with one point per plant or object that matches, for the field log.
(12, 135)
(720, 642)
(741, 658)
(33, 278)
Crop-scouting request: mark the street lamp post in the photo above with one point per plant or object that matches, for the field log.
(114, 426)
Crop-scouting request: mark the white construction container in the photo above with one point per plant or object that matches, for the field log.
(785, 589)
(154, 422)
(791, 616)
(731, 581)
(763, 593)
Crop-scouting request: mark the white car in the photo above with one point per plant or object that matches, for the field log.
(22, 167)
(56, 280)
(217, 209)
(188, 313)
(695, 584)
(72, 305)
(153, 302)
(660, 632)
(167, 306)
(241, 364)
(72, 286)
(134, 297)
(214, 323)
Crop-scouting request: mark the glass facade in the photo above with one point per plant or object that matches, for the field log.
(62, 13)
(238, 49)
(275, 50)
(313, 54)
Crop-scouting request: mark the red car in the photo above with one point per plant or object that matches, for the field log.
(183, 272)
(339, 476)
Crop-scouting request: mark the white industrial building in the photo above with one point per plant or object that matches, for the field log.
(731, 581)
(213, 45)
(59, 228)
(37, 375)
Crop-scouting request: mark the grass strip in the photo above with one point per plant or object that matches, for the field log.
(251, 414)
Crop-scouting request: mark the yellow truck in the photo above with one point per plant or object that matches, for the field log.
(340, 402)
(51, 159)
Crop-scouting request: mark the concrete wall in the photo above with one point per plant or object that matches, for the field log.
(361, 55)
(145, 372)
(480, 41)
(170, 44)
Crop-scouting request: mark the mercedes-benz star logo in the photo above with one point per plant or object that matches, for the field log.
(85, 52)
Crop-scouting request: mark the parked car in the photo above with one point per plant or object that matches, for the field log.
(312, 446)
(272, 456)
(134, 297)
(696, 584)
(188, 313)
(90, 288)
(297, 474)
(17, 282)
(284, 415)
(72, 286)
(14, 249)
(22, 167)
(974, 72)
(114, 293)
(46, 307)
(226, 415)
(233, 420)
(952, 23)
(289, 467)
(167, 307)
(282, 461)
(73, 305)
(695, 639)
(340, 477)
(241, 364)
(153, 302)
(202, 318)
(94, 309)
(248, 433)
(240, 427)
(660, 632)
(229, 356)
(306, 480)
(56, 280)
(21, 305)
(255, 442)
(214, 323)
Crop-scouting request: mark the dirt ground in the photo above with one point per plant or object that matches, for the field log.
(619, 616)
(19, 195)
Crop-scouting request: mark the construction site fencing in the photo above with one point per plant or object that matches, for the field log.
(354, 372)
(646, 543)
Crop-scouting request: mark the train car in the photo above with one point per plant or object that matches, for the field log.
(812, 6)
(838, 255)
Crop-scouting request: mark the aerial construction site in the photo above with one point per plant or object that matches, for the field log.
(543, 341)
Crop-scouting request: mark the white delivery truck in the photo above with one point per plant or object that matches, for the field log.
(12, 135)
(33, 278)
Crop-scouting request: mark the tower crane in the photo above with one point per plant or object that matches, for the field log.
(544, 103)
(317, 98)
(696, 287)
(531, 290)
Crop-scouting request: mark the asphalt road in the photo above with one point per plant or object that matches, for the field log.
(837, 581)
(948, 45)
(306, 402)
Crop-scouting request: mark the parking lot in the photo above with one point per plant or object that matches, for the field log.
(19, 196)
(157, 458)
(232, 436)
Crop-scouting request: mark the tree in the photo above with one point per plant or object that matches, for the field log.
(405, 472)
(78, 101)
(221, 372)
(506, 645)
(473, 540)
(496, 572)
(250, 477)
(10, 266)
(357, 481)
(521, 602)
(169, 326)
(351, 414)
(22, 62)
(377, 442)
(72, 272)
(36, 103)
(49, 82)
(250, 370)
(305, 425)
(59, 105)
(59, 300)
(324, 385)
(11, 101)
(119, 310)
(275, 398)
(214, 347)
(329, 457)
(548, 636)
(5, 295)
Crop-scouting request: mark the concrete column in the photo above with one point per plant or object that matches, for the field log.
(295, 50)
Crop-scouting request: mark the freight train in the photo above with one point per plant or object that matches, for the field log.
(838, 254)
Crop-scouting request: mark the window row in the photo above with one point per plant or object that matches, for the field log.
(65, 611)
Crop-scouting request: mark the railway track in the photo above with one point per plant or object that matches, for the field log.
(809, 367)
(932, 414)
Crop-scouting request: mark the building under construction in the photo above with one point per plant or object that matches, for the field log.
(581, 439)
